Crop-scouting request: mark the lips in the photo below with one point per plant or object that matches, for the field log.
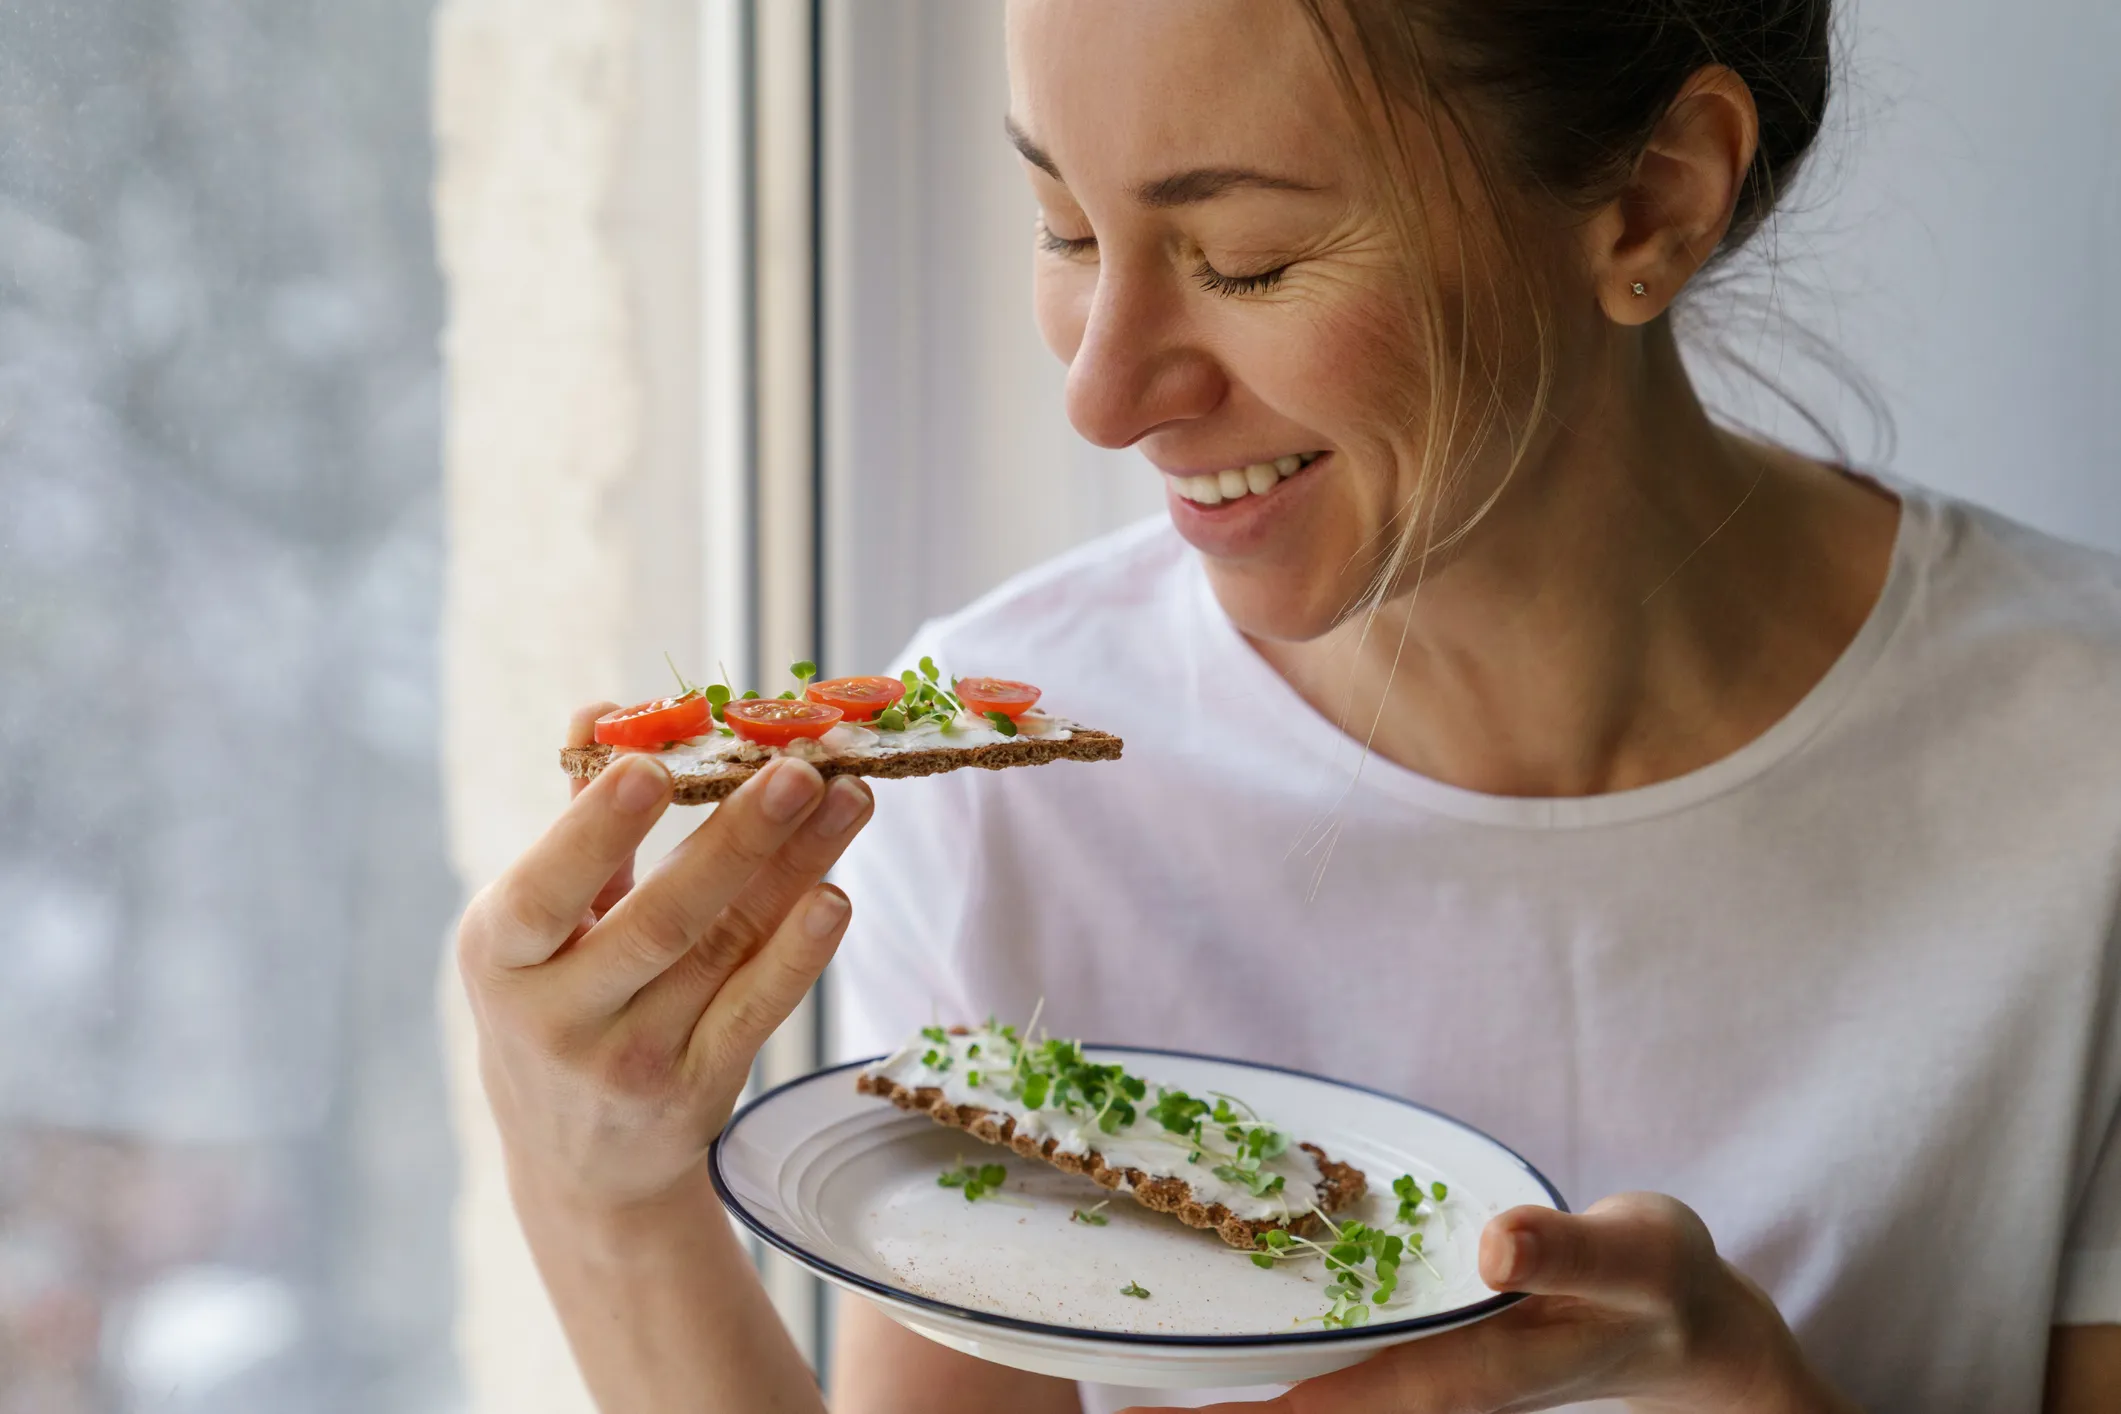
(1236, 483)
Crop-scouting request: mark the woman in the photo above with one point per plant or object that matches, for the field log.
(1705, 820)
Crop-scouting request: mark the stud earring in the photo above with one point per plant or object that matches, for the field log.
(1640, 289)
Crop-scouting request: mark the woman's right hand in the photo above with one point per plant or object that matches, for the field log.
(618, 1022)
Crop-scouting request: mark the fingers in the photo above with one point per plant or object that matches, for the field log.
(582, 731)
(761, 994)
(526, 914)
(670, 1006)
(676, 905)
(1631, 1249)
(582, 726)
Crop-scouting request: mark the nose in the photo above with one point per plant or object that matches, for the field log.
(1135, 369)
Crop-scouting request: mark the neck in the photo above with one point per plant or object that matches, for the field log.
(1648, 594)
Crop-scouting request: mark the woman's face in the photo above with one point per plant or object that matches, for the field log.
(1226, 287)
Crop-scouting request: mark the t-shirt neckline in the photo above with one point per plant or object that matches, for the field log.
(1920, 518)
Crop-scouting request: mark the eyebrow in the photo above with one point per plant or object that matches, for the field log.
(1181, 189)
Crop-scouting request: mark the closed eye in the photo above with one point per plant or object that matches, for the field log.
(1064, 245)
(1216, 282)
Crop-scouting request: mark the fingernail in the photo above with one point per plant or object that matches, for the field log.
(790, 786)
(844, 803)
(828, 909)
(1524, 1256)
(641, 784)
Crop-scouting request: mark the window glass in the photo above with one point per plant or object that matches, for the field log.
(225, 1172)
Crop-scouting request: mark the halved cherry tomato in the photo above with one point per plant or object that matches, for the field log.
(776, 721)
(859, 698)
(653, 723)
(984, 695)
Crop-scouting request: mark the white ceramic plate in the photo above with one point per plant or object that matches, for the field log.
(845, 1184)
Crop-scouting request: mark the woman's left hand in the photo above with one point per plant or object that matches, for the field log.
(1628, 1301)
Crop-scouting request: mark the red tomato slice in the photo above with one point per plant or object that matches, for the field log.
(984, 695)
(859, 698)
(666, 719)
(775, 721)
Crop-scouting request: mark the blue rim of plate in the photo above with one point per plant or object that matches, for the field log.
(1456, 1316)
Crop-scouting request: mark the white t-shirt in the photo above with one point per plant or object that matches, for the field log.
(1852, 992)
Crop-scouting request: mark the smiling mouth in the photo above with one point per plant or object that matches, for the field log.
(1258, 479)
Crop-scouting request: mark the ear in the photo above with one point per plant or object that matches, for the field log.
(1669, 218)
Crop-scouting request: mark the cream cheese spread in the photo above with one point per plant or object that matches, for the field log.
(851, 741)
(977, 1069)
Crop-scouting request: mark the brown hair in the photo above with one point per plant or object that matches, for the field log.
(1555, 99)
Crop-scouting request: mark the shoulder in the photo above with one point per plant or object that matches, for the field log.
(2006, 653)
(1991, 585)
(1070, 617)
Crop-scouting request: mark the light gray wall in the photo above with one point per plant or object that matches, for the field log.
(1958, 243)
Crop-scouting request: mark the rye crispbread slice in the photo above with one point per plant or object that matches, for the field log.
(1340, 1184)
(711, 783)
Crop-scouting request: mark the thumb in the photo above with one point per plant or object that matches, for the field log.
(1623, 1250)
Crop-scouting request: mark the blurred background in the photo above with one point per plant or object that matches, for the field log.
(224, 1163)
(379, 378)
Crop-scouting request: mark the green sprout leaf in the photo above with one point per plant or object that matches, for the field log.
(977, 1183)
(803, 671)
(1135, 1289)
(936, 1034)
(930, 671)
(1092, 1217)
(891, 719)
(1003, 723)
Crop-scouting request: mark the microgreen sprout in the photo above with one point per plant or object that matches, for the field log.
(1409, 1194)
(802, 672)
(976, 1182)
(1254, 1143)
(685, 688)
(1136, 1289)
(1090, 1217)
(1362, 1262)
(1003, 722)
(926, 703)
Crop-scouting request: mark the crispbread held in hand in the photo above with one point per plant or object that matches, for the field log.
(704, 773)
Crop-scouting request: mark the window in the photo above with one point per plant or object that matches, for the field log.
(225, 1167)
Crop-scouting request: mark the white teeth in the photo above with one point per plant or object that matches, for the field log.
(1215, 487)
(1208, 490)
